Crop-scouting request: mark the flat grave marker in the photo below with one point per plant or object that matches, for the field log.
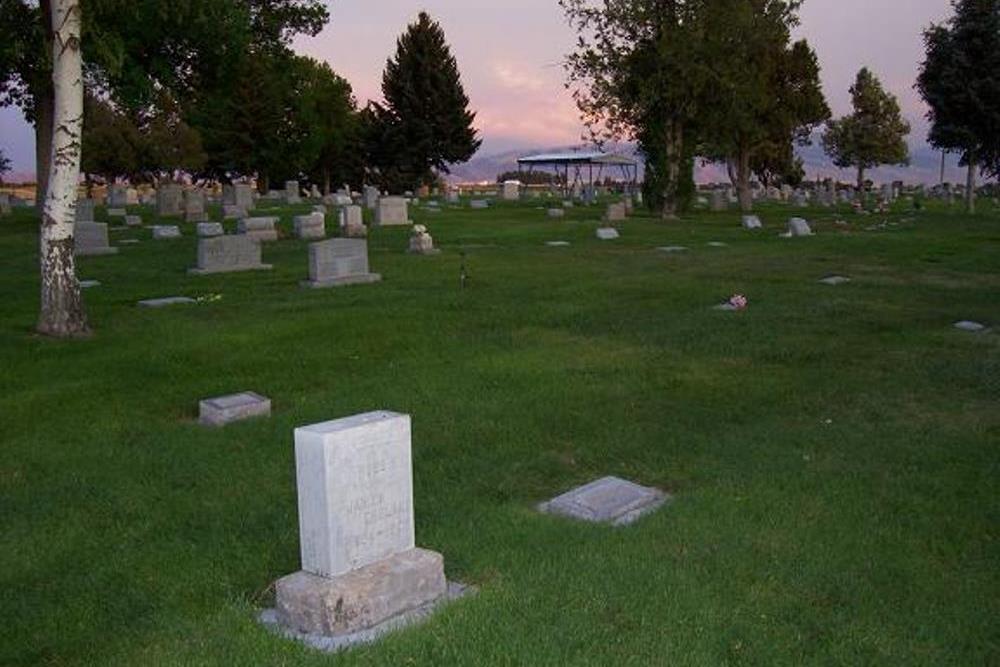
(224, 410)
(608, 500)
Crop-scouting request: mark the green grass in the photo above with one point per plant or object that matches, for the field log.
(833, 451)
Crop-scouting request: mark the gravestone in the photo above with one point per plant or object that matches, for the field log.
(314, 192)
(194, 205)
(719, 200)
(511, 190)
(339, 262)
(798, 227)
(453, 196)
(84, 210)
(371, 197)
(607, 233)
(567, 204)
(166, 301)
(967, 325)
(310, 227)
(557, 244)
(556, 213)
(672, 248)
(421, 242)
(292, 195)
(88, 284)
(169, 200)
(608, 500)
(235, 407)
(118, 196)
(835, 280)
(91, 238)
(210, 229)
(352, 223)
(361, 569)
(133, 220)
(479, 204)
(233, 212)
(615, 213)
(752, 222)
(261, 229)
(391, 211)
(164, 232)
(243, 196)
(117, 213)
(228, 254)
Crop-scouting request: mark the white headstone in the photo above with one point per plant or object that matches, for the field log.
(391, 211)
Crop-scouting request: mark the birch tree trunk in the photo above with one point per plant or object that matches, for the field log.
(61, 313)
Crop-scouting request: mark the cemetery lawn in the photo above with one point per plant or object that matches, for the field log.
(833, 452)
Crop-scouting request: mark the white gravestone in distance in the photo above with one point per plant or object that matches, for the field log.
(228, 254)
(84, 210)
(360, 564)
(798, 227)
(339, 262)
(310, 227)
(169, 199)
(161, 232)
(391, 211)
(117, 196)
(511, 190)
(209, 229)
(752, 222)
(91, 238)
(421, 242)
(352, 224)
(607, 233)
(615, 212)
(133, 220)
(969, 325)
(291, 193)
(607, 500)
(556, 213)
(261, 229)
(194, 205)
(235, 407)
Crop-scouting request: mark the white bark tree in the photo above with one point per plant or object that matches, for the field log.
(62, 313)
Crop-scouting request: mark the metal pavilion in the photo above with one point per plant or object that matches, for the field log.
(583, 165)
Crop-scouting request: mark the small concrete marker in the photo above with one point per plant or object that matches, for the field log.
(608, 500)
(717, 244)
(557, 244)
(166, 301)
(86, 284)
(235, 407)
(672, 248)
(607, 233)
(835, 280)
(968, 325)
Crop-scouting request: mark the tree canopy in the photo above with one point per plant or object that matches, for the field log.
(874, 134)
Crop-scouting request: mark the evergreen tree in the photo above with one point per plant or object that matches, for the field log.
(4, 165)
(875, 134)
(960, 81)
(424, 123)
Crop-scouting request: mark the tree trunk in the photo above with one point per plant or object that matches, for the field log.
(743, 181)
(970, 186)
(62, 313)
(674, 154)
(43, 142)
(326, 182)
(861, 180)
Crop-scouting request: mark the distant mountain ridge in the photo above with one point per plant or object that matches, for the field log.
(925, 166)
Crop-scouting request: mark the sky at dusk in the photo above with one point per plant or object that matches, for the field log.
(510, 53)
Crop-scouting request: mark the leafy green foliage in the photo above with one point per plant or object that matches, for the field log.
(424, 123)
(874, 134)
(960, 81)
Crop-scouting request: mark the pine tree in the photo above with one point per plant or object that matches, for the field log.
(960, 81)
(424, 124)
(873, 135)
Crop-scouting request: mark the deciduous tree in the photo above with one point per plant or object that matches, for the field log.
(874, 134)
(960, 81)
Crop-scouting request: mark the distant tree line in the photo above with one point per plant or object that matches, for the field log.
(213, 90)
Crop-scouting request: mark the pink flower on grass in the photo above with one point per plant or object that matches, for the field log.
(738, 301)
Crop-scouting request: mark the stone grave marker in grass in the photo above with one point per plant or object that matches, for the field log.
(228, 254)
(209, 229)
(164, 232)
(835, 280)
(969, 325)
(339, 262)
(166, 301)
(672, 248)
(392, 211)
(607, 233)
(310, 227)
(607, 500)
(362, 574)
(752, 222)
(261, 229)
(91, 238)
(235, 407)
